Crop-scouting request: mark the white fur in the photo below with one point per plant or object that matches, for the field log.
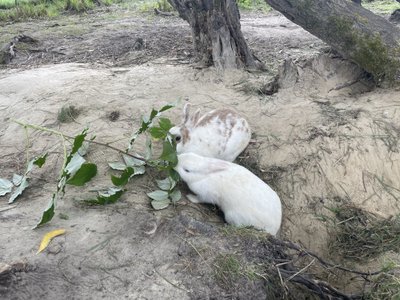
(223, 138)
(243, 197)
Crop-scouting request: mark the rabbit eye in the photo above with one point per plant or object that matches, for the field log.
(186, 170)
(177, 139)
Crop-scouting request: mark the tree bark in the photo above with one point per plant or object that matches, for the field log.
(216, 32)
(356, 33)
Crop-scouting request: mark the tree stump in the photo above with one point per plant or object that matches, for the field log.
(216, 32)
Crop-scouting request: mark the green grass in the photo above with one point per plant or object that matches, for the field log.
(229, 270)
(260, 5)
(381, 6)
(146, 6)
(26, 9)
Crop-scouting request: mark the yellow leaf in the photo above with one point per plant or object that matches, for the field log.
(48, 237)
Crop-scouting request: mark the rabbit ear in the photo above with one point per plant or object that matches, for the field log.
(217, 166)
(194, 118)
(185, 113)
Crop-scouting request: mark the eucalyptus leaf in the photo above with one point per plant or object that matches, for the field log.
(158, 195)
(157, 132)
(120, 166)
(78, 141)
(165, 124)
(166, 107)
(17, 179)
(158, 205)
(132, 162)
(176, 195)
(86, 172)
(140, 170)
(154, 113)
(24, 184)
(169, 154)
(5, 186)
(39, 161)
(124, 178)
(166, 184)
(74, 164)
(83, 150)
(110, 196)
(48, 213)
(174, 175)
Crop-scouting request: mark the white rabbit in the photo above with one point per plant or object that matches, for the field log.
(220, 133)
(243, 197)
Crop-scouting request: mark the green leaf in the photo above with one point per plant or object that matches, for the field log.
(169, 154)
(78, 141)
(139, 170)
(24, 184)
(86, 172)
(158, 205)
(166, 184)
(111, 196)
(40, 160)
(17, 179)
(166, 107)
(154, 113)
(174, 175)
(124, 178)
(74, 165)
(157, 132)
(165, 124)
(83, 150)
(132, 162)
(5, 186)
(175, 195)
(48, 214)
(117, 166)
(158, 195)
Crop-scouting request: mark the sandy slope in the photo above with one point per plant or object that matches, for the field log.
(324, 140)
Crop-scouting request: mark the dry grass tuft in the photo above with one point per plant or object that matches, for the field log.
(361, 235)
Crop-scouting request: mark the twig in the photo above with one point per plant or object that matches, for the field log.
(64, 136)
(194, 248)
(171, 283)
(323, 262)
(281, 279)
(7, 208)
(55, 132)
(27, 145)
(301, 271)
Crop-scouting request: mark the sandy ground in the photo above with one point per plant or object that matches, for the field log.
(324, 140)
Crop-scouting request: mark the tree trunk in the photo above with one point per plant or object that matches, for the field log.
(356, 33)
(217, 37)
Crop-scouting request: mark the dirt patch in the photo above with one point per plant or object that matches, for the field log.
(325, 139)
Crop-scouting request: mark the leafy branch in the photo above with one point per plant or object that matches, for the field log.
(76, 171)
